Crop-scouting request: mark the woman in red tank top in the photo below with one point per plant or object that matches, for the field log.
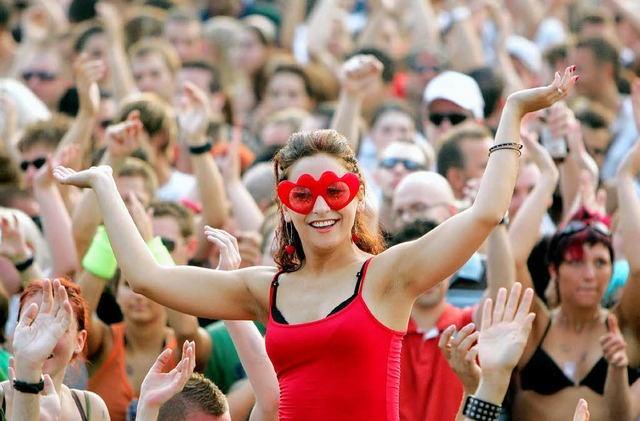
(338, 305)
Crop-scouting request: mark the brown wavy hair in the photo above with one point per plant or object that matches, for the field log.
(306, 144)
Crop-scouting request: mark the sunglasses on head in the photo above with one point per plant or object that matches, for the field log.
(453, 118)
(42, 75)
(577, 225)
(38, 163)
(168, 243)
(300, 196)
(408, 164)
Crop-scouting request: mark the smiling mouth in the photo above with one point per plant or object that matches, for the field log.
(323, 224)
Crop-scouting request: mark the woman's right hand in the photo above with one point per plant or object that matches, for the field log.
(40, 327)
(534, 99)
(12, 242)
(85, 178)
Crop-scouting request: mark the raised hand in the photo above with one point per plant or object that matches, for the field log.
(67, 156)
(158, 387)
(457, 349)
(614, 347)
(582, 411)
(529, 100)
(41, 326)
(194, 114)
(13, 244)
(88, 73)
(505, 330)
(125, 137)
(227, 244)
(84, 178)
(231, 169)
(359, 72)
(141, 216)
(109, 16)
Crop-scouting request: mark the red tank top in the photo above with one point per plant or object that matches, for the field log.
(343, 367)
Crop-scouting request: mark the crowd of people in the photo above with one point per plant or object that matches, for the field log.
(326, 209)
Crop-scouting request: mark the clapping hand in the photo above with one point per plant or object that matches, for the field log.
(457, 348)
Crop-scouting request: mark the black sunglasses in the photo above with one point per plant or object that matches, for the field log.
(168, 243)
(406, 163)
(577, 225)
(43, 75)
(38, 163)
(453, 118)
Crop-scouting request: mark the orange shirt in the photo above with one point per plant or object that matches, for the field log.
(110, 381)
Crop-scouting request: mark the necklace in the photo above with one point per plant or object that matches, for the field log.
(578, 326)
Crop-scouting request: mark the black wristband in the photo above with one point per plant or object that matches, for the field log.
(477, 409)
(199, 150)
(33, 388)
(24, 265)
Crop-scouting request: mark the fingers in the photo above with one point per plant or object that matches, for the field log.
(512, 302)
(444, 343)
(29, 315)
(162, 360)
(462, 335)
(525, 305)
(498, 309)
(486, 314)
(47, 296)
(582, 411)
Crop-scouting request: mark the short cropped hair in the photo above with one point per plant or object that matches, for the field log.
(199, 394)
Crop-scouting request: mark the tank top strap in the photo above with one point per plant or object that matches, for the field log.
(546, 330)
(76, 399)
(361, 274)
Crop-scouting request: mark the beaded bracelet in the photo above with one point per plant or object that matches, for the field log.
(479, 410)
(515, 146)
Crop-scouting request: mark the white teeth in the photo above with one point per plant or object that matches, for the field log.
(322, 224)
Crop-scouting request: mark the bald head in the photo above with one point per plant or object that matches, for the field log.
(423, 195)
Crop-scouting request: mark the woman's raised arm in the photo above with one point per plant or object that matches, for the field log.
(428, 260)
(231, 295)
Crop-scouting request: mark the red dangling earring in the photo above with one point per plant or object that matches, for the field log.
(289, 248)
(354, 234)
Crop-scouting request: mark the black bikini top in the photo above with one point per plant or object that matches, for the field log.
(542, 375)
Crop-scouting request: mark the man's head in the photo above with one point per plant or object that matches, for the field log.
(46, 74)
(421, 67)
(528, 176)
(597, 61)
(154, 64)
(450, 99)
(200, 400)
(206, 77)
(174, 224)
(526, 58)
(594, 124)
(463, 155)
(184, 31)
(422, 195)
(397, 160)
(38, 141)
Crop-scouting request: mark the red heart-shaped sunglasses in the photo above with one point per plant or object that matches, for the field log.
(300, 196)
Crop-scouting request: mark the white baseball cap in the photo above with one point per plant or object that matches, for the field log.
(458, 88)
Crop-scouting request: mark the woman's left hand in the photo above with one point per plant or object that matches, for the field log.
(227, 244)
(534, 99)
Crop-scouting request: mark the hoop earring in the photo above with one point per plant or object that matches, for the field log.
(289, 248)
(354, 234)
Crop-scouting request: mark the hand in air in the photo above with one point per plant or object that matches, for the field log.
(534, 99)
(227, 244)
(457, 348)
(84, 178)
